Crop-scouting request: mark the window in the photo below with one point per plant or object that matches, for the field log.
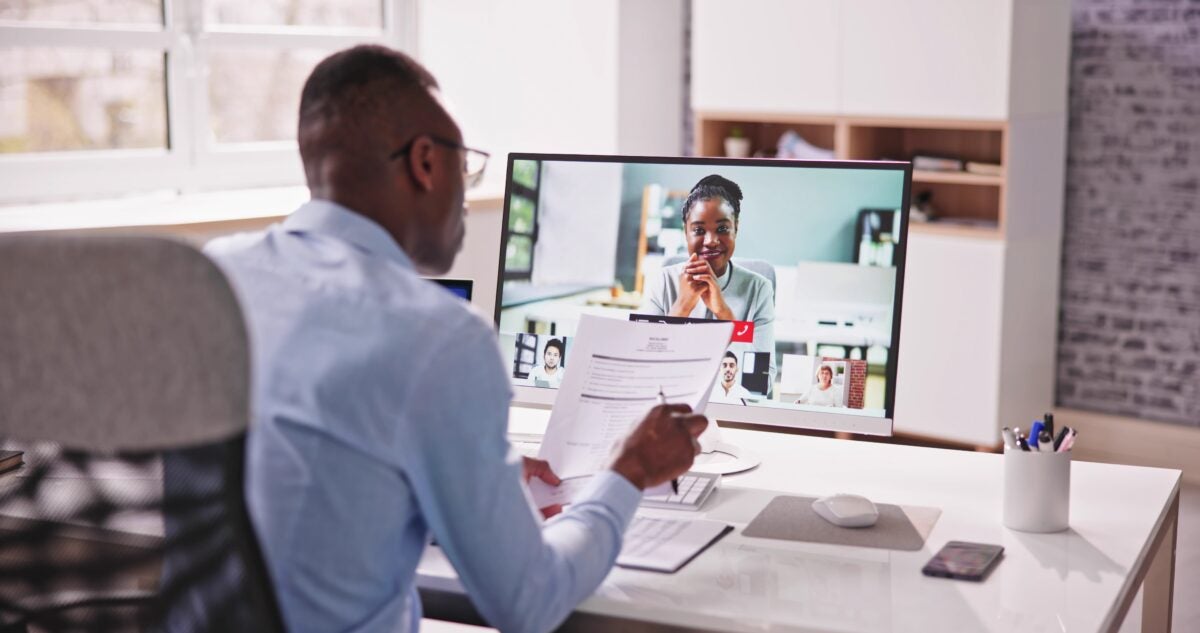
(112, 96)
(521, 233)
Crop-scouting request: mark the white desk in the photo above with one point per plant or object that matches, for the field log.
(1123, 524)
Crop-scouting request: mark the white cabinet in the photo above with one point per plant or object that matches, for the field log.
(925, 58)
(949, 366)
(929, 58)
(764, 55)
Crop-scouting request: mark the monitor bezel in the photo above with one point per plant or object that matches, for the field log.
(757, 417)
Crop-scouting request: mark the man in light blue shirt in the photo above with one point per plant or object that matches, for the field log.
(381, 401)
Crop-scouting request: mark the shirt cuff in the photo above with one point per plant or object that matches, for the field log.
(614, 491)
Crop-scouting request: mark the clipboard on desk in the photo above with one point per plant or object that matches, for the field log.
(666, 545)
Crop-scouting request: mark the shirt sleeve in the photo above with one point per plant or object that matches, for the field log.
(521, 575)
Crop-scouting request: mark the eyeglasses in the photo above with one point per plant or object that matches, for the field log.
(473, 166)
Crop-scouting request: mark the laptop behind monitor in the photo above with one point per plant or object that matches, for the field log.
(460, 287)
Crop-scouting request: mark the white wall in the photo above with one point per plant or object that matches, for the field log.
(650, 73)
(765, 55)
(526, 75)
(596, 77)
(577, 244)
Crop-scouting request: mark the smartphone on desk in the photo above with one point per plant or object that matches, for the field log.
(963, 560)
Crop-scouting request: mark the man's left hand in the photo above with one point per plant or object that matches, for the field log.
(540, 468)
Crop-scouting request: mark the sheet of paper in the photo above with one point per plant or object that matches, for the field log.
(546, 495)
(666, 544)
(617, 369)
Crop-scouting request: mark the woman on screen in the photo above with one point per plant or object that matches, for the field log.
(823, 393)
(709, 285)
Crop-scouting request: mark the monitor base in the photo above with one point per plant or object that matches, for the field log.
(719, 457)
(725, 459)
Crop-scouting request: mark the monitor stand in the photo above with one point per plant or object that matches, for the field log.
(719, 457)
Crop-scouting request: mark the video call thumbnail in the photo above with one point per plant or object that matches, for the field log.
(539, 361)
(779, 250)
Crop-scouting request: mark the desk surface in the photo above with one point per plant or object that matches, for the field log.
(1084, 577)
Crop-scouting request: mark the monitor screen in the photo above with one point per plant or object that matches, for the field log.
(806, 257)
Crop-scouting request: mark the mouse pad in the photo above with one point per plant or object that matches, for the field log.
(793, 519)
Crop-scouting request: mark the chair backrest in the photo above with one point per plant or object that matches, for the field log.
(118, 343)
(760, 266)
(123, 356)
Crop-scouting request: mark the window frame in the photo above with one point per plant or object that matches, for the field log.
(533, 195)
(192, 160)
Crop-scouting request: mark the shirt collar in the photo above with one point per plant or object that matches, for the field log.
(325, 217)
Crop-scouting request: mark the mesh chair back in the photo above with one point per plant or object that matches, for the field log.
(125, 377)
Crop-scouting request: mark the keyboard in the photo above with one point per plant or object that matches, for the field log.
(694, 490)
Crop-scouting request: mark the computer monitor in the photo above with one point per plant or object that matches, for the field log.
(809, 262)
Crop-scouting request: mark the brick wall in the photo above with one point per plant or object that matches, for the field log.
(1129, 336)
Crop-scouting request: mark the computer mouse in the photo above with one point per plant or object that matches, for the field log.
(846, 510)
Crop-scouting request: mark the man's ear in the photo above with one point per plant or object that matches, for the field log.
(421, 162)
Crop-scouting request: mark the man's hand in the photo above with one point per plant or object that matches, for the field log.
(540, 468)
(662, 446)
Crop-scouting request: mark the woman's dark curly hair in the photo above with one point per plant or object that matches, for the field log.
(715, 186)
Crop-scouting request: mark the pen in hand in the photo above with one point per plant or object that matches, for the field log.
(662, 399)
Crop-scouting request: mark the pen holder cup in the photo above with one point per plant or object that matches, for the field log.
(1037, 491)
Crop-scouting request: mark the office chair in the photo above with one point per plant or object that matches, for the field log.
(760, 266)
(124, 353)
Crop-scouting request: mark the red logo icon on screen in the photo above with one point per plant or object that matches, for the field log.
(743, 331)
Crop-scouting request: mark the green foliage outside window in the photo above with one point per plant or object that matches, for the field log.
(525, 173)
(520, 215)
(519, 254)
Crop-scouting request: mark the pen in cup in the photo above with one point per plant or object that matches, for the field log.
(1068, 442)
(1035, 434)
(662, 399)
(1045, 442)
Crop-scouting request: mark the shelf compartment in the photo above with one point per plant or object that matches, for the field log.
(963, 201)
(763, 133)
(873, 142)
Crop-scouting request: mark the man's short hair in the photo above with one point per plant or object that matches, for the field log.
(729, 354)
(361, 78)
(556, 344)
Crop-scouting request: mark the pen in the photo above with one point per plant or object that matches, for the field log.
(1045, 442)
(1049, 419)
(1062, 435)
(1022, 443)
(1010, 439)
(1069, 442)
(662, 399)
(1035, 433)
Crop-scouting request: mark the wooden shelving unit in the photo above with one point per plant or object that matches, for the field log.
(982, 81)
(975, 200)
